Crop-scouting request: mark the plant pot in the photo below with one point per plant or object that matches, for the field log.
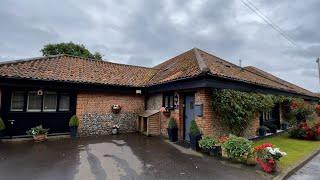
(115, 131)
(215, 151)
(40, 138)
(194, 141)
(173, 134)
(2, 133)
(251, 161)
(284, 126)
(262, 132)
(73, 131)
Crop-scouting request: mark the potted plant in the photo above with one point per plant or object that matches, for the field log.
(2, 127)
(116, 108)
(272, 127)
(172, 130)
(268, 156)
(38, 133)
(73, 124)
(284, 126)
(207, 143)
(262, 131)
(115, 129)
(238, 148)
(194, 135)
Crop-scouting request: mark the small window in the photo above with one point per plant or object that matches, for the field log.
(64, 102)
(50, 101)
(17, 101)
(34, 102)
(267, 116)
(168, 101)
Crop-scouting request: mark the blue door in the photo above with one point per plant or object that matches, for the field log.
(189, 114)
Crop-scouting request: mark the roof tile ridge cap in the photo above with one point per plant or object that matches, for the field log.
(29, 59)
(201, 63)
(108, 62)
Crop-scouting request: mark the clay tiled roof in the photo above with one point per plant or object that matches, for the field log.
(76, 69)
(280, 81)
(186, 65)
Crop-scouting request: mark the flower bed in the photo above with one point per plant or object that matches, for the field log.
(306, 132)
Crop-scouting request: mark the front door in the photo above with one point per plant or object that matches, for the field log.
(189, 114)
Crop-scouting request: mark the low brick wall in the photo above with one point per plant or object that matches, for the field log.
(96, 117)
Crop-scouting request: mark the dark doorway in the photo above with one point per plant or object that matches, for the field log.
(189, 114)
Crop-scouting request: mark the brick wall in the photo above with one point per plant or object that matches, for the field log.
(211, 124)
(96, 117)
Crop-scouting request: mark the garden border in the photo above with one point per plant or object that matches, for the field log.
(291, 170)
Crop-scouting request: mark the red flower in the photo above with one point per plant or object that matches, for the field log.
(294, 105)
(263, 146)
(269, 166)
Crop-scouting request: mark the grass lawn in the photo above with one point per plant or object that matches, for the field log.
(296, 149)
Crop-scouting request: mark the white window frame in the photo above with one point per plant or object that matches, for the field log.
(64, 110)
(33, 110)
(15, 110)
(44, 100)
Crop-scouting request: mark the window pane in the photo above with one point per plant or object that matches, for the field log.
(17, 101)
(166, 101)
(50, 101)
(34, 102)
(171, 101)
(64, 102)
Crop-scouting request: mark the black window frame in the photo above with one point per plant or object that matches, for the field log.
(26, 101)
(170, 98)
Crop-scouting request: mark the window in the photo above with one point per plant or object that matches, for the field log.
(50, 101)
(34, 102)
(267, 116)
(64, 102)
(17, 101)
(168, 101)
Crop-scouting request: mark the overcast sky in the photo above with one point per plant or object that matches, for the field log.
(151, 31)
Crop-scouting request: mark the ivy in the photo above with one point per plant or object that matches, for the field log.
(237, 109)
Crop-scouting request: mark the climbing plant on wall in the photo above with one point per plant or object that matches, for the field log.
(237, 109)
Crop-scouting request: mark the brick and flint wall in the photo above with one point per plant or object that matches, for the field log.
(96, 117)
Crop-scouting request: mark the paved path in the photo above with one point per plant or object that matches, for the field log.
(123, 157)
(310, 171)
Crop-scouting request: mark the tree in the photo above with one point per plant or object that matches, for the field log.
(70, 49)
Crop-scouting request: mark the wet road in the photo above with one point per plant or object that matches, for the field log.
(109, 157)
(310, 171)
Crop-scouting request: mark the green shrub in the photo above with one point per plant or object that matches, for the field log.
(2, 125)
(172, 124)
(194, 129)
(237, 109)
(207, 143)
(74, 121)
(238, 148)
